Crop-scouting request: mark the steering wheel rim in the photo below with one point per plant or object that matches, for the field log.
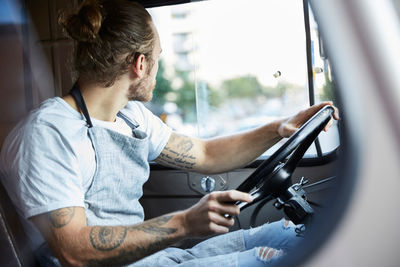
(273, 176)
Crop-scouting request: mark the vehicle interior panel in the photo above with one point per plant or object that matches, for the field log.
(180, 193)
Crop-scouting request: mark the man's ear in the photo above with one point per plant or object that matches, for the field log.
(138, 68)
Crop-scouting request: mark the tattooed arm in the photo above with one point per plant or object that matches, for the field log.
(219, 154)
(76, 244)
(230, 152)
(182, 152)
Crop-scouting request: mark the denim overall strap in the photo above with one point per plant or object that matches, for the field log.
(121, 170)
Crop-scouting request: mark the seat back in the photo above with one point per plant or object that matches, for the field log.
(14, 245)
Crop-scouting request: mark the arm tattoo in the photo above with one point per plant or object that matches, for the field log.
(61, 217)
(178, 153)
(125, 257)
(154, 226)
(106, 238)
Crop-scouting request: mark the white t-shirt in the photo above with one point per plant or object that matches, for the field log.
(47, 161)
(119, 125)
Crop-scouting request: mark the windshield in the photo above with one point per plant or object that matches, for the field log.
(232, 65)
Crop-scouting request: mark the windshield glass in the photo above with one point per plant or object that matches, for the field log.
(233, 65)
(230, 65)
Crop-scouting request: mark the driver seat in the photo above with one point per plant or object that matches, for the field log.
(14, 245)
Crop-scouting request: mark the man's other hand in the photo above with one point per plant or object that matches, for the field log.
(208, 215)
(289, 125)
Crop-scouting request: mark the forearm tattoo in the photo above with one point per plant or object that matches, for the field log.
(125, 257)
(178, 153)
(61, 217)
(154, 226)
(108, 238)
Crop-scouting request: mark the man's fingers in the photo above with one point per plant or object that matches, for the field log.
(218, 228)
(336, 113)
(314, 109)
(328, 125)
(290, 129)
(221, 220)
(230, 196)
(230, 209)
(326, 103)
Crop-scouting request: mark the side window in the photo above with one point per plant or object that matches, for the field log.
(230, 65)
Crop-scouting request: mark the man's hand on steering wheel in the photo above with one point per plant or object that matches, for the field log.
(272, 178)
(208, 216)
(289, 125)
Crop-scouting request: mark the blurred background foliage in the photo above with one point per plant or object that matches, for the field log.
(243, 87)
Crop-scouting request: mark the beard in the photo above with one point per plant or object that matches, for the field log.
(143, 91)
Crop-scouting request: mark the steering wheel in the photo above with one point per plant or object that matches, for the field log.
(272, 179)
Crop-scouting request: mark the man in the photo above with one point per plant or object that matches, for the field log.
(75, 166)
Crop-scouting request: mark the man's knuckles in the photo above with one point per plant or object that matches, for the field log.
(211, 206)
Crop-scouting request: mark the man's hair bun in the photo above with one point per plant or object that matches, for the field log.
(85, 25)
(109, 35)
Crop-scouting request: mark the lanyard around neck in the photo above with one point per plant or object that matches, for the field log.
(77, 95)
